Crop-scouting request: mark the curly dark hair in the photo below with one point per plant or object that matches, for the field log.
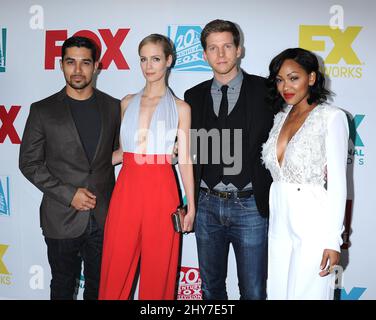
(309, 62)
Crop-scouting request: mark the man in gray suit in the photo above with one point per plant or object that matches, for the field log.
(66, 152)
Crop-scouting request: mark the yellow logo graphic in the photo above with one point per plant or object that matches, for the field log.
(3, 268)
(342, 41)
(342, 48)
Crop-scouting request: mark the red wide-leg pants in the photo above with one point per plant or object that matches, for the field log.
(139, 227)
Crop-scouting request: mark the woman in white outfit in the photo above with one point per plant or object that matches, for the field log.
(306, 153)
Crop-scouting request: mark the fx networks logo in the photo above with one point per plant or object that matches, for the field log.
(189, 284)
(189, 52)
(4, 196)
(5, 275)
(3, 49)
(356, 148)
(341, 61)
(7, 128)
(113, 42)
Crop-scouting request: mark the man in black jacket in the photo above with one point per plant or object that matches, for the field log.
(66, 152)
(230, 122)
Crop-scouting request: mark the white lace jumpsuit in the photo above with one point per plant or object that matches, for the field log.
(307, 203)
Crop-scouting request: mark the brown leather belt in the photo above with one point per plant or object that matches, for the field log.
(228, 194)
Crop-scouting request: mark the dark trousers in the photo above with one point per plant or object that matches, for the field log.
(220, 222)
(65, 257)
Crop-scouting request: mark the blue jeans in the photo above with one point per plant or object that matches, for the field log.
(65, 257)
(220, 222)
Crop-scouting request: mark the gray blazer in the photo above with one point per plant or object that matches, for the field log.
(52, 158)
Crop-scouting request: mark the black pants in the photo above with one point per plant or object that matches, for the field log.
(65, 257)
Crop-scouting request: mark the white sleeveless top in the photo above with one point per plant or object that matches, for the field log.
(163, 126)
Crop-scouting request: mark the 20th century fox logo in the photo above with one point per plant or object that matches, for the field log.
(189, 52)
(4, 196)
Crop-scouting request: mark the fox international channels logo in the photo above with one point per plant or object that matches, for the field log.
(5, 275)
(4, 196)
(336, 47)
(354, 294)
(3, 49)
(189, 52)
(356, 154)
